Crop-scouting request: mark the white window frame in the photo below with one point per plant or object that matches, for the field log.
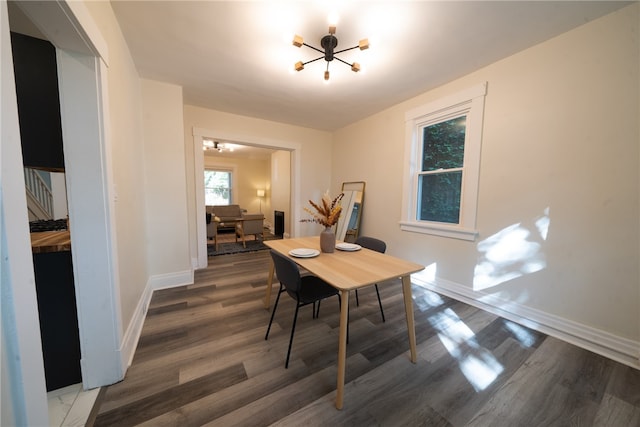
(232, 171)
(469, 102)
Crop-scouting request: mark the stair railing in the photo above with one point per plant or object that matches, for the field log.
(39, 190)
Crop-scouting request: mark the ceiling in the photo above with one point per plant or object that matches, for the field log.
(238, 56)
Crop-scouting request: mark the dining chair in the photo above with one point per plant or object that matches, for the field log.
(305, 290)
(212, 228)
(378, 246)
(250, 224)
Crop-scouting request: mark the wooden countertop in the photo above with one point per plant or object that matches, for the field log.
(50, 241)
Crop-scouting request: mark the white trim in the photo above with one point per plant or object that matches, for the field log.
(82, 84)
(134, 331)
(447, 102)
(171, 280)
(617, 348)
(443, 230)
(55, 20)
(201, 225)
(469, 102)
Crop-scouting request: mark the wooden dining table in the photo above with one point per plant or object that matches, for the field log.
(348, 271)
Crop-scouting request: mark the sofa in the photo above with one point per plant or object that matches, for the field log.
(226, 216)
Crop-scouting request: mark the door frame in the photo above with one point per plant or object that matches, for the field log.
(83, 59)
(199, 134)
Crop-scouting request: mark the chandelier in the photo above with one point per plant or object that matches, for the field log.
(207, 144)
(329, 43)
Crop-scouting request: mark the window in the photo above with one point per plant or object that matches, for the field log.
(440, 177)
(217, 187)
(442, 152)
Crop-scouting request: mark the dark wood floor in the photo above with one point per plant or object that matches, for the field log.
(202, 360)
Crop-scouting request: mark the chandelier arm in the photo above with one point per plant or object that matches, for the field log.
(314, 60)
(344, 62)
(315, 48)
(344, 50)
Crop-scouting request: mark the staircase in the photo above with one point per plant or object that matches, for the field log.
(39, 196)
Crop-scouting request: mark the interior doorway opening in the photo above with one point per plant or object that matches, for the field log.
(81, 57)
(279, 192)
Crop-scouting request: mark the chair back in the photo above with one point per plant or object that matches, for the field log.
(371, 243)
(288, 273)
(253, 224)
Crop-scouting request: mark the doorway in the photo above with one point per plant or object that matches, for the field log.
(80, 54)
(287, 147)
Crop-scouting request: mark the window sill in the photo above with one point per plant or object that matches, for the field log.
(441, 230)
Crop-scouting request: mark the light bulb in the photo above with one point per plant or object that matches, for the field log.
(332, 20)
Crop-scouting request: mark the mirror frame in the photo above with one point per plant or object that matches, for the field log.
(349, 189)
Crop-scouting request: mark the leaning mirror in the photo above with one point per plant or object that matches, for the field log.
(349, 222)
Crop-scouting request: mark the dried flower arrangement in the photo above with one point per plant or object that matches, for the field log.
(327, 211)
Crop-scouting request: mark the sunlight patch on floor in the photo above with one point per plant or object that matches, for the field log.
(522, 334)
(477, 364)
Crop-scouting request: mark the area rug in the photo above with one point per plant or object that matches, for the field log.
(236, 248)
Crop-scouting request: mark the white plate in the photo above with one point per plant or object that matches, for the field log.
(304, 253)
(348, 247)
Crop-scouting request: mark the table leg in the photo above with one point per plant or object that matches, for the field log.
(267, 299)
(408, 308)
(342, 347)
(240, 233)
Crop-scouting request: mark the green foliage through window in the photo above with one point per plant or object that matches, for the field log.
(440, 179)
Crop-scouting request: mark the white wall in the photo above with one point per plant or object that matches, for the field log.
(280, 191)
(560, 143)
(165, 186)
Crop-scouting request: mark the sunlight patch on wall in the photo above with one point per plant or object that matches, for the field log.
(542, 224)
(428, 274)
(511, 253)
(477, 364)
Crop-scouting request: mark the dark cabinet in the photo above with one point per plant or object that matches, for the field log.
(36, 77)
(58, 318)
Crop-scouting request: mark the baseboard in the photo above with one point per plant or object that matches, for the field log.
(171, 280)
(620, 349)
(132, 334)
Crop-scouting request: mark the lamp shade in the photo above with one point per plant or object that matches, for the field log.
(260, 193)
